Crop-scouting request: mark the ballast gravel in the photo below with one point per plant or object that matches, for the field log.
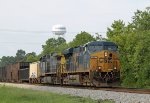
(118, 97)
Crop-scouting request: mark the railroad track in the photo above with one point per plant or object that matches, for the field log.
(115, 89)
(126, 90)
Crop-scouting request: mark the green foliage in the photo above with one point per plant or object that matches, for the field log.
(54, 45)
(81, 39)
(20, 55)
(133, 41)
(32, 57)
(116, 29)
(5, 60)
(141, 20)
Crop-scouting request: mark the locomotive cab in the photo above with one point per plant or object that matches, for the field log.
(104, 61)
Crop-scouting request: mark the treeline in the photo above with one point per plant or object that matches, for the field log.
(21, 56)
(133, 40)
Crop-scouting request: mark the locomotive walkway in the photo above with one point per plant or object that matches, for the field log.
(118, 97)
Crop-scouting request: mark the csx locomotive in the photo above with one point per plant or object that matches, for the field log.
(93, 64)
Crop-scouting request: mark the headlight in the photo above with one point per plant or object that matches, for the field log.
(99, 68)
(105, 54)
(115, 68)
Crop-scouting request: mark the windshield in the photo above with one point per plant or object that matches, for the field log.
(110, 48)
(95, 48)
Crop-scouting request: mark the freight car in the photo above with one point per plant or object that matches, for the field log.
(2, 74)
(95, 63)
(8, 73)
(18, 72)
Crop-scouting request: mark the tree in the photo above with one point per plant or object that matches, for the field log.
(81, 39)
(141, 20)
(54, 45)
(133, 41)
(6, 60)
(20, 55)
(31, 57)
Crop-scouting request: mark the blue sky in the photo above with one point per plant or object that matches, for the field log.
(40, 15)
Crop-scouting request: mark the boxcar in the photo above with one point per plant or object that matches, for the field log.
(20, 72)
(14, 72)
(2, 74)
(8, 73)
(23, 71)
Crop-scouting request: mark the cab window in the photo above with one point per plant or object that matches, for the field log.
(95, 48)
(110, 48)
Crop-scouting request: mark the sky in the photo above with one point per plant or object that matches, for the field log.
(26, 24)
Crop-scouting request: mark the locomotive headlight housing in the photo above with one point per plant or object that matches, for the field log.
(105, 54)
(115, 68)
(99, 67)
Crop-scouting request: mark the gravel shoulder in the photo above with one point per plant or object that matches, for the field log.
(118, 97)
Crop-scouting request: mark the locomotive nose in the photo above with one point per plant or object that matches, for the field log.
(110, 63)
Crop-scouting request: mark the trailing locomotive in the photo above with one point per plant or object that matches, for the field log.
(93, 64)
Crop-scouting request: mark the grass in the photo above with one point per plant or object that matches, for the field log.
(18, 95)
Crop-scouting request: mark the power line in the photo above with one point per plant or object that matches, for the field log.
(10, 30)
(20, 43)
(23, 42)
(46, 32)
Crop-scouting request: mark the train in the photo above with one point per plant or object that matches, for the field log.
(93, 64)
